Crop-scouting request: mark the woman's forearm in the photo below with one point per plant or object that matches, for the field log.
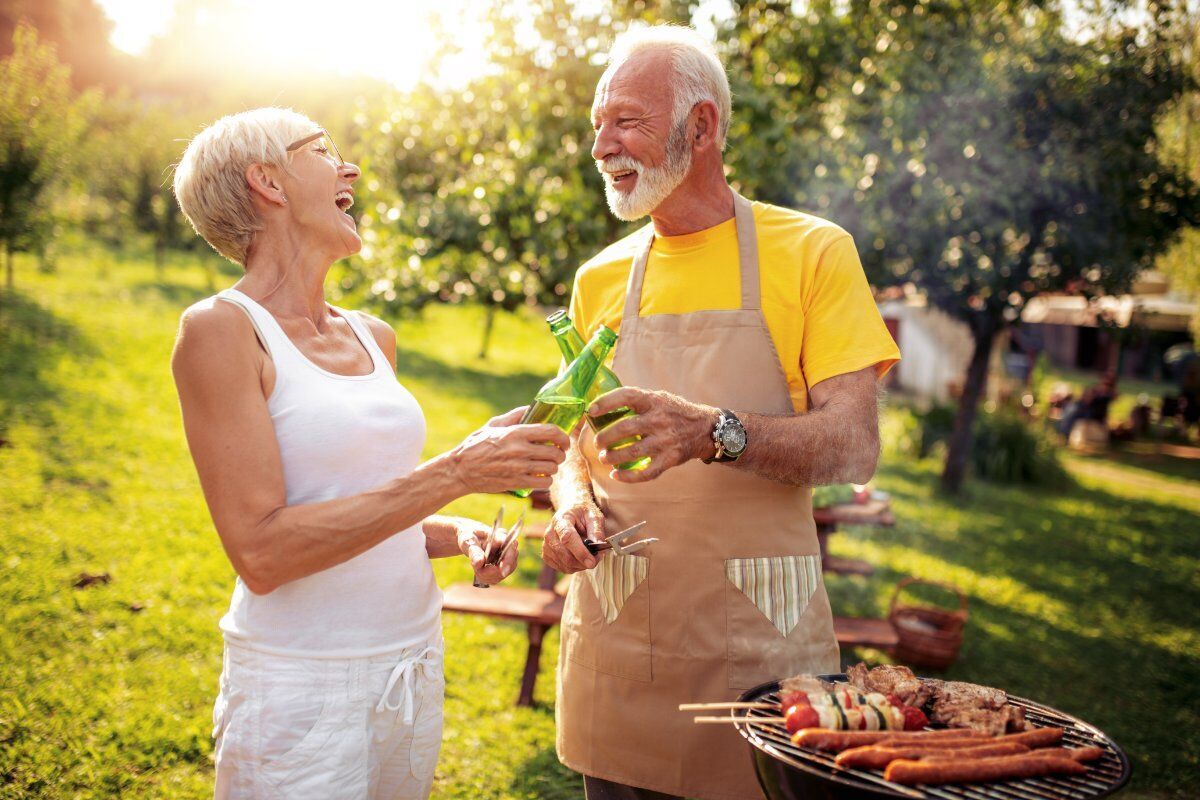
(442, 535)
(296, 541)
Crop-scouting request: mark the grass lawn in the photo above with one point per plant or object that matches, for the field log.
(1084, 599)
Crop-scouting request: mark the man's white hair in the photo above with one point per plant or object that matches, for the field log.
(698, 72)
(210, 181)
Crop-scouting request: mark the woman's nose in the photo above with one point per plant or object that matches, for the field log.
(350, 172)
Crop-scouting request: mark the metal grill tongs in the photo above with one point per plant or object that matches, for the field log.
(619, 542)
(498, 544)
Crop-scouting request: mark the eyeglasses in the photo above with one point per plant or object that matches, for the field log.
(326, 143)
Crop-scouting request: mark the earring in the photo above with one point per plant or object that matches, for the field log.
(284, 198)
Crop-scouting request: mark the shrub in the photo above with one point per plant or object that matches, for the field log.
(1008, 450)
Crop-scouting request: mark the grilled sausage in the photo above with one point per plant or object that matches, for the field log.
(936, 771)
(1038, 737)
(836, 741)
(878, 757)
(1074, 753)
(940, 743)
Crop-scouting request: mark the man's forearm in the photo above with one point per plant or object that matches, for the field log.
(573, 482)
(838, 443)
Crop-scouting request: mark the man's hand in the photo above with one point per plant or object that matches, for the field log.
(673, 431)
(563, 546)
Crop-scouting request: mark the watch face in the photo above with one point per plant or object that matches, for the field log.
(733, 438)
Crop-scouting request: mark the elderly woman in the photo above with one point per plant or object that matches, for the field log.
(308, 451)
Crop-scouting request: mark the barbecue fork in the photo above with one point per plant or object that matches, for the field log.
(619, 543)
(496, 549)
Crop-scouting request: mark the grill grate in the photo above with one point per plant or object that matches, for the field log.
(1104, 776)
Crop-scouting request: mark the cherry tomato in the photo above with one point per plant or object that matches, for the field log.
(914, 719)
(789, 699)
(801, 716)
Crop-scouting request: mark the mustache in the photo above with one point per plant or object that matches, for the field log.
(617, 163)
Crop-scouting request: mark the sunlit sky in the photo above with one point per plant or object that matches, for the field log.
(384, 39)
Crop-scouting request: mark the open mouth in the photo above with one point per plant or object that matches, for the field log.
(343, 200)
(621, 176)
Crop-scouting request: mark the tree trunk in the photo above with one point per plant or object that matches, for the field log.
(8, 266)
(959, 453)
(488, 322)
(159, 256)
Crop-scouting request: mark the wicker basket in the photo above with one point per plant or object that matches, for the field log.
(930, 636)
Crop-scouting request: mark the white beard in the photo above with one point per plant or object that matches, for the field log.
(654, 184)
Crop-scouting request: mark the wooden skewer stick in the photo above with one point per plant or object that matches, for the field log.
(715, 706)
(747, 720)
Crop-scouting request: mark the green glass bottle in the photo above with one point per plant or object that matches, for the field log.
(563, 400)
(570, 343)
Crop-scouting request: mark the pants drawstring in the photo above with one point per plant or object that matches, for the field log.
(402, 676)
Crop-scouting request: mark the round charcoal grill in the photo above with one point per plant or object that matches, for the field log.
(788, 772)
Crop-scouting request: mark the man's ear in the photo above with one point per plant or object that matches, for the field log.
(262, 182)
(704, 125)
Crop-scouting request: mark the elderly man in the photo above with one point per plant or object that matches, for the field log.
(750, 348)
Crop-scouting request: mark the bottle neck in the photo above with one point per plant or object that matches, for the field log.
(570, 343)
(587, 364)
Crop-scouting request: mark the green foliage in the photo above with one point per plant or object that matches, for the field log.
(490, 193)
(1179, 134)
(1008, 449)
(41, 123)
(125, 185)
(973, 148)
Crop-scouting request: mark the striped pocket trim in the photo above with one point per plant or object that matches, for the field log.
(614, 579)
(779, 586)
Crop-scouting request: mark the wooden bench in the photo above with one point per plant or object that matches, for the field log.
(541, 608)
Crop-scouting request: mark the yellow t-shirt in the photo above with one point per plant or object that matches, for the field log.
(815, 298)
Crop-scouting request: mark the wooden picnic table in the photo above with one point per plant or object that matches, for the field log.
(828, 518)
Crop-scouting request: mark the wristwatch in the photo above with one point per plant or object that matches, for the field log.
(729, 436)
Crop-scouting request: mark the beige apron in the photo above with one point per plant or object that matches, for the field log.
(732, 594)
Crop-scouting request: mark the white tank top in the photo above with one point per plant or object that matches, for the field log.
(340, 435)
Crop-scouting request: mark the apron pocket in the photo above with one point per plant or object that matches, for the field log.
(606, 620)
(778, 619)
(614, 579)
(780, 587)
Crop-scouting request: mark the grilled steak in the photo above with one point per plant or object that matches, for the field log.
(897, 681)
(952, 703)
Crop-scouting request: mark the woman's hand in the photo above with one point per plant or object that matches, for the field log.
(503, 455)
(472, 538)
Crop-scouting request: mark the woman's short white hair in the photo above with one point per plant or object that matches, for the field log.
(699, 74)
(210, 181)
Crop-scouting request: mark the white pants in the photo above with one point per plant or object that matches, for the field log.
(328, 729)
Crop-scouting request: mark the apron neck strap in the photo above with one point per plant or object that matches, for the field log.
(747, 240)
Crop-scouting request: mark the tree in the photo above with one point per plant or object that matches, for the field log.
(129, 155)
(41, 122)
(490, 194)
(977, 152)
(1179, 131)
(79, 31)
